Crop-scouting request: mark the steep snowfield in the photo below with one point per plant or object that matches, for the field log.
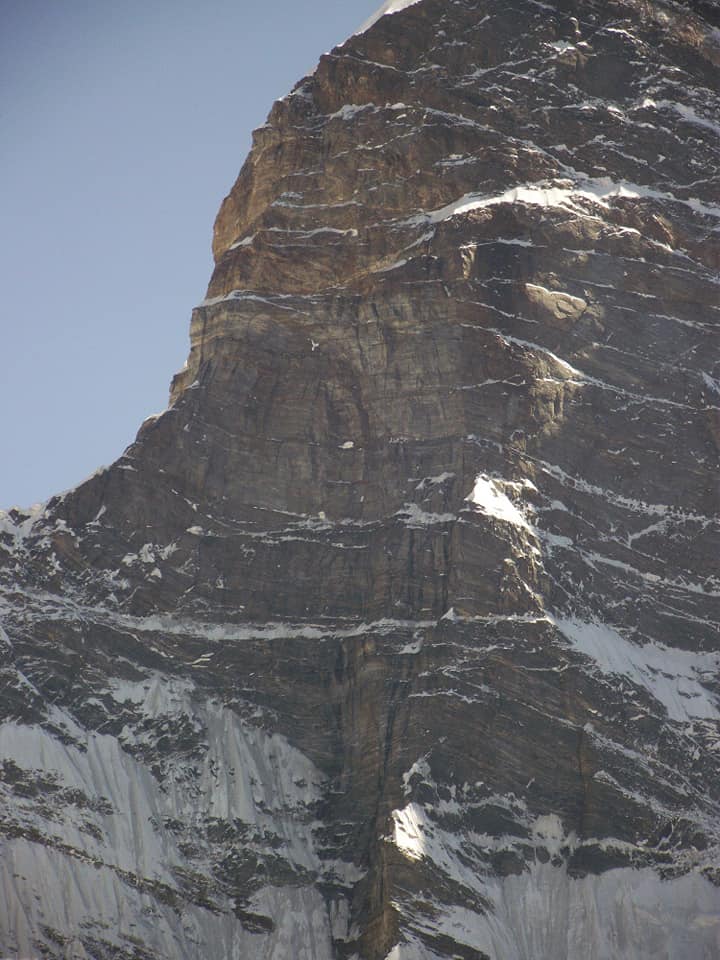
(108, 832)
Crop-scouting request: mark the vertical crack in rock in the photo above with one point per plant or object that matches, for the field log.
(395, 636)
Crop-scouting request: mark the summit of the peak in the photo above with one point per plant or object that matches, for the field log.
(389, 7)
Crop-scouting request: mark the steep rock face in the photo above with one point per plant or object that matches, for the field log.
(396, 635)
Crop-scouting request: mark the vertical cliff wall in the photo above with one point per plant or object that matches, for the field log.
(396, 635)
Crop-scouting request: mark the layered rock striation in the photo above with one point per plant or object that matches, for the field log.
(397, 634)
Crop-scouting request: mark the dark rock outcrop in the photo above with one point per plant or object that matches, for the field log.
(396, 635)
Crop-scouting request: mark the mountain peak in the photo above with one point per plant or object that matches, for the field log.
(395, 636)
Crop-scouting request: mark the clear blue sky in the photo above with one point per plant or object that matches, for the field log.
(122, 126)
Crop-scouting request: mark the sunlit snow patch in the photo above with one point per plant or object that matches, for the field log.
(595, 190)
(489, 498)
(390, 6)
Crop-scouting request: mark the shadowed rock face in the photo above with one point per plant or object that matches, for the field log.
(396, 635)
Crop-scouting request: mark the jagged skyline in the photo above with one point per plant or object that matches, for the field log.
(121, 131)
(396, 636)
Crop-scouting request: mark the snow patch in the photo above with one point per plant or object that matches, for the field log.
(673, 677)
(420, 768)
(435, 481)
(21, 528)
(686, 112)
(488, 497)
(599, 191)
(562, 46)
(415, 516)
(245, 242)
(389, 7)
(349, 110)
(409, 831)
(711, 382)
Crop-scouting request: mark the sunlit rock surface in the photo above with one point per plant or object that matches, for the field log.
(396, 635)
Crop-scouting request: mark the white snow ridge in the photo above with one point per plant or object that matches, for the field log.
(390, 6)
